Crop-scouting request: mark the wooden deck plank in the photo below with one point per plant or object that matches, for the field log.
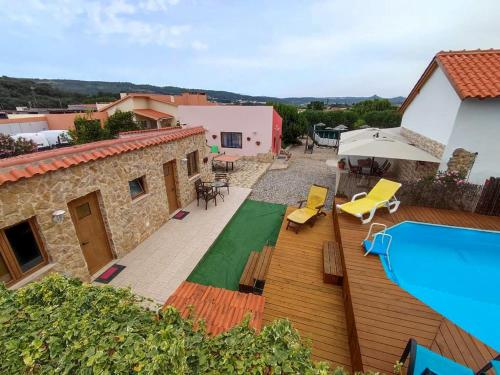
(382, 316)
(295, 290)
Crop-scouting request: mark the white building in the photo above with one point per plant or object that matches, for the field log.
(453, 112)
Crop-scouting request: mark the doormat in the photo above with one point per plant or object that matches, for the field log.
(181, 215)
(110, 273)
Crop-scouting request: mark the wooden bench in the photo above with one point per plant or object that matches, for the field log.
(246, 280)
(260, 271)
(332, 263)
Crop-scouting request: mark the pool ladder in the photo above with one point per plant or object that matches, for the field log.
(382, 234)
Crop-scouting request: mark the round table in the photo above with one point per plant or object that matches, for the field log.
(217, 185)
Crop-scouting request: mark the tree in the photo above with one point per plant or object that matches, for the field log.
(383, 119)
(293, 126)
(119, 122)
(372, 105)
(316, 105)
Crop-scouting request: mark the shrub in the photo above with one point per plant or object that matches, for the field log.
(10, 147)
(60, 325)
(6, 146)
(24, 146)
(448, 190)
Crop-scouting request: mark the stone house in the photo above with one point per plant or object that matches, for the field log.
(75, 209)
(453, 112)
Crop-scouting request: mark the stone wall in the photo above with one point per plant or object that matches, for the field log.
(410, 170)
(461, 161)
(128, 222)
(427, 144)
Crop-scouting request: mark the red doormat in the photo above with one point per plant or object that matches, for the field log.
(110, 273)
(181, 215)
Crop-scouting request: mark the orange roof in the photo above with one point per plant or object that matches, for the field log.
(473, 74)
(220, 308)
(29, 165)
(152, 114)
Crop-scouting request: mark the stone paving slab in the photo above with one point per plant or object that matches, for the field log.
(288, 186)
(247, 173)
(158, 265)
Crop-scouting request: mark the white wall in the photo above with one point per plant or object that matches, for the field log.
(432, 112)
(477, 129)
(34, 126)
(252, 121)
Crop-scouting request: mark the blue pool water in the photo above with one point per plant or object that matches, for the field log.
(454, 270)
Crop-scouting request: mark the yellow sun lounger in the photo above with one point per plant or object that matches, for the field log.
(315, 201)
(382, 195)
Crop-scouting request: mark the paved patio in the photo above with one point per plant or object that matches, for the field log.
(247, 172)
(157, 266)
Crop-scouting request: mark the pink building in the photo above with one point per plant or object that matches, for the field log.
(237, 130)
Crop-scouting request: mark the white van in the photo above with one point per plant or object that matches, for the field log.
(39, 139)
(56, 138)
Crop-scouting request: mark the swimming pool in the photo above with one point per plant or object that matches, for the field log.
(454, 270)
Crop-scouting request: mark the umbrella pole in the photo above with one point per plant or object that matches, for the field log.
(371, 167)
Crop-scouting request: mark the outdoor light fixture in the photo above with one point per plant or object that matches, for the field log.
(58, 216)
(184, 160)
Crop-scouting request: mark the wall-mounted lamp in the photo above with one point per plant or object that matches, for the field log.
(184, 161)
(58, 216)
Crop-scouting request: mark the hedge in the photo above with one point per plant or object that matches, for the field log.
(61, 325)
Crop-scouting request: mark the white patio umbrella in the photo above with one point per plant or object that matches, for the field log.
(353, 135)
(385, 147)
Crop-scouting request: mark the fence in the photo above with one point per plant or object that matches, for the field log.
(461, 197)
(489, 202)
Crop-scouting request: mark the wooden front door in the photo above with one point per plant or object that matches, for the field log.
(170, 185)
(90, 231)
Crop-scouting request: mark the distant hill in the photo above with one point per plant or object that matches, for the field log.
(60, 92)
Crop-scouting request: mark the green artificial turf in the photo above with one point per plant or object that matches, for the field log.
(254, 225)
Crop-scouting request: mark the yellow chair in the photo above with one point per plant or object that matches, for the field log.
(382, 195)
(315, 202)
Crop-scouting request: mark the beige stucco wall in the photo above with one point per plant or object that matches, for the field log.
(143, 103)
(128, 222)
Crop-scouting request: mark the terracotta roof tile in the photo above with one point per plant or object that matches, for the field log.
(221, 309)
(473, 74)
(29, 165)
(152, 114)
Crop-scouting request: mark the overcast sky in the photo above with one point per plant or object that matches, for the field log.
(277, 48)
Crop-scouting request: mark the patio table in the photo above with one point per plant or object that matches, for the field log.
(228, 159)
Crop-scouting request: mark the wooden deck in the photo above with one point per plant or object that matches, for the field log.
(295, 290)
(381, 316)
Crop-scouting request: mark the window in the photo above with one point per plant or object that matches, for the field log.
(20, 251)
(137, 187)
(192, 163)
(231, 140)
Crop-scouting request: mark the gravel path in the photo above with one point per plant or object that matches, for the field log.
(290, 185)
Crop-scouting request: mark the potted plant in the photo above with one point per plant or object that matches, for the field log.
(248, 139)
(257, 143)
(341, 163)
(214, 136)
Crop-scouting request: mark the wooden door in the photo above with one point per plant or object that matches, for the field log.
(170, 185)
(90, 230)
